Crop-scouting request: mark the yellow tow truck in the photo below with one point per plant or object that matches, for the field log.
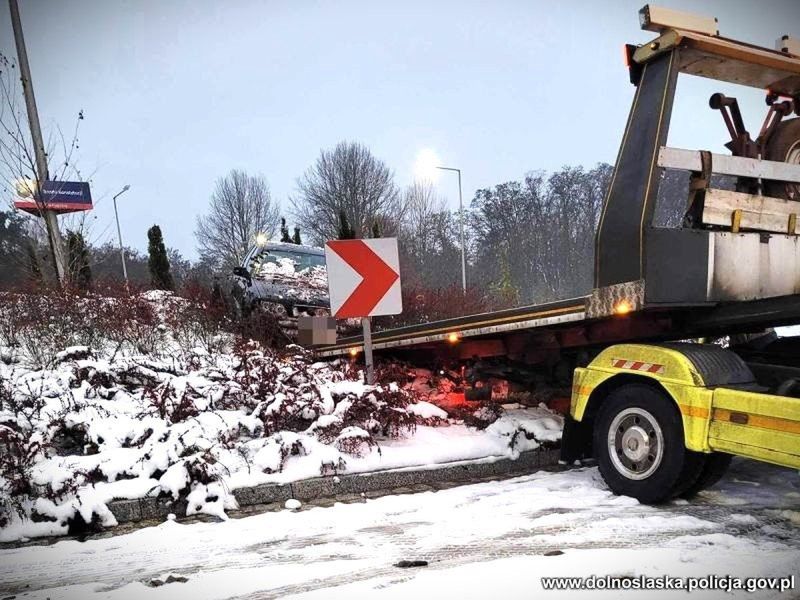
(664, 420)
(661, 413)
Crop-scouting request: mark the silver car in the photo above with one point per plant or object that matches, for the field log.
(289, 280)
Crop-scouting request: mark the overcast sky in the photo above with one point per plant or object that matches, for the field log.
(176, 93)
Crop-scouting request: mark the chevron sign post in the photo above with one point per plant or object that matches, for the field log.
(363, 282)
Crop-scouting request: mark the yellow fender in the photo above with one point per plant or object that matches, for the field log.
(670, 369)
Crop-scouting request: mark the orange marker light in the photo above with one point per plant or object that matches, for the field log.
(452, 338)
(623, 307)
(353, 351)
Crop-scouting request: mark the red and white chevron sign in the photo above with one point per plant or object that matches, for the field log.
(363, 277)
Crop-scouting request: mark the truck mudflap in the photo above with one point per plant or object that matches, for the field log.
(576, 440)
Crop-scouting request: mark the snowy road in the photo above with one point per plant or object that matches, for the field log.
(480, 540)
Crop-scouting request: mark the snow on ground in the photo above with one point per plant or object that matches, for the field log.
(494, 539)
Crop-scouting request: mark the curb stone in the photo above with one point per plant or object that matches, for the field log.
(132, 511)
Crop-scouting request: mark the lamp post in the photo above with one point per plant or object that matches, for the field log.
(119, 234)
(461, 228)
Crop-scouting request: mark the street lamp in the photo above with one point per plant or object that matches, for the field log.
(426, 169)
(461, 227)
(119, 234)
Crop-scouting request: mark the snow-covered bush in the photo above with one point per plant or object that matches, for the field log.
(355, 441)
(196, 319)
(35, 327)
(27, 429)
(18, 453)
(188, 428)
(481, 416)
(153, 394)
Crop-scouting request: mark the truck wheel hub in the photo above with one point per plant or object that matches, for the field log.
(635, 443)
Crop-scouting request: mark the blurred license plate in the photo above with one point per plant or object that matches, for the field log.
(316, 331)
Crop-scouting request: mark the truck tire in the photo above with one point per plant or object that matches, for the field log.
(639, 445)
(716, 465)
(784, 146)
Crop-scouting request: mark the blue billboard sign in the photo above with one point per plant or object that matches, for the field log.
(58, 196)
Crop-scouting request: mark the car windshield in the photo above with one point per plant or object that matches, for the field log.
(301, 260)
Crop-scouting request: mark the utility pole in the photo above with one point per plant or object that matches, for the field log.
(49, 216)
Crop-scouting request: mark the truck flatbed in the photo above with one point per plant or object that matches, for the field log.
(565, 323)
(479, 325)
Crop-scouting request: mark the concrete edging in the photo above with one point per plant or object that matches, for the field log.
(131, 511)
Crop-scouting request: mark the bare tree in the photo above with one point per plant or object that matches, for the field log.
(509, 232)
(19, 171)
(422, 203)
(241, 208)
(105, 265)
(428, 237)
(534, 238)
(347, 179)
(575, 200)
